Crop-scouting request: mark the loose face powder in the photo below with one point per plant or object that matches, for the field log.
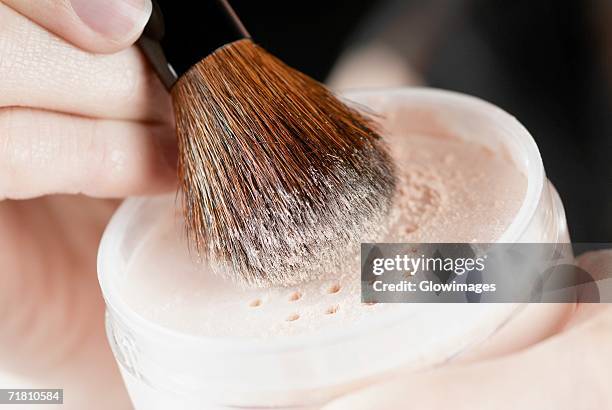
(450, 190)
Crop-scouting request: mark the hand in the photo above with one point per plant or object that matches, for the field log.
(567, 371)
(80, 113)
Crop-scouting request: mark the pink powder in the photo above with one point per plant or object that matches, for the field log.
(453, 191)
(450, 191)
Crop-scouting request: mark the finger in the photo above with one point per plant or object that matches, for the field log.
(531, 324)
(100, 26)
(599, 265)
(51, 309)
(45, 152)
(38, 69)
(567, 372)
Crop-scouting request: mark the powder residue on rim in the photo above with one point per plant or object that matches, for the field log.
(449, 190)
(453, 191)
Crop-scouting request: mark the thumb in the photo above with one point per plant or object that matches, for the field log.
(98, 26)
(567, 372)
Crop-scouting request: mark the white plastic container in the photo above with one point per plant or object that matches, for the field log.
(166, 369)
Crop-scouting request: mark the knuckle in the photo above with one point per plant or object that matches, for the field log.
(107, 160)
(127, 76)
(139, 88)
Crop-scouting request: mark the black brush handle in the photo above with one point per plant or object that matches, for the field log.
(178, 36)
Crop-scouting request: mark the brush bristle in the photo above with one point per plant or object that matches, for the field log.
(278, 176)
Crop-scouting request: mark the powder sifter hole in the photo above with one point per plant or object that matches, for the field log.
(255, 303)
(295, 296)
(334, 288)
(332, 310)
(293, 317)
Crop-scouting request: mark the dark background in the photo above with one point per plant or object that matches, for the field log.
(548, 62)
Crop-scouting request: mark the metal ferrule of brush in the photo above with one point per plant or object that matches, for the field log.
(177, 37)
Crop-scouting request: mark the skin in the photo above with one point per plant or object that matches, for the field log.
(568, 370)
(550, 357)
(84, 122)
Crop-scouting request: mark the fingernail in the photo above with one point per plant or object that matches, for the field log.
(114, 19)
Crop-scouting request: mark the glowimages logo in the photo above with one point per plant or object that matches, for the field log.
(462, 272)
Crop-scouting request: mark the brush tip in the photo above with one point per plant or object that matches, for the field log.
(279, 177)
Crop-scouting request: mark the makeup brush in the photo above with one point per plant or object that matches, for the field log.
(278, 176)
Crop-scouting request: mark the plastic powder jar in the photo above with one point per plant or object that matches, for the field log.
(184, 338)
